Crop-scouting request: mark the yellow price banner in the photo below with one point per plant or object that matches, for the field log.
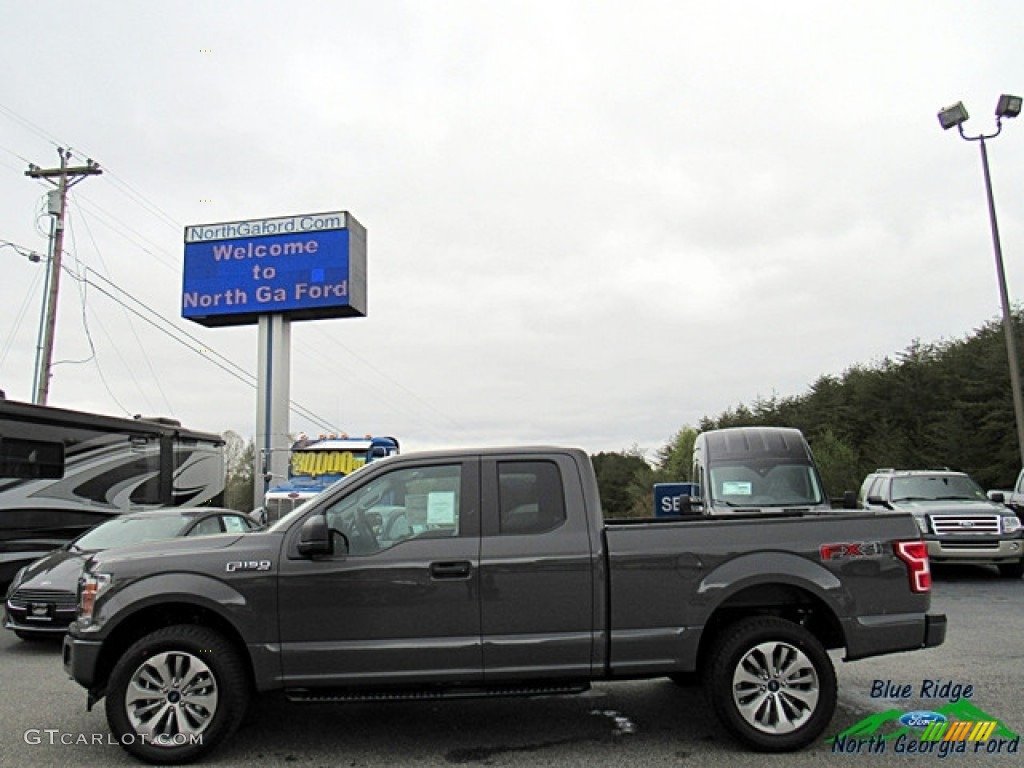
(326, 462)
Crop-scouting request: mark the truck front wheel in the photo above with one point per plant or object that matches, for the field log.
(1011, 570)
(176, 694)
(772, 684)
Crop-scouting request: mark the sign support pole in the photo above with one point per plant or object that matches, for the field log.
(273, 272)
(272, 401)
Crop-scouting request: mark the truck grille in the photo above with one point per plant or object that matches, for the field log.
(945, 525)
(58, 597)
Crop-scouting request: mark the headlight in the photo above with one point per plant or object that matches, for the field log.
(922, 523)
(16, 581)
(90, 585)
(1011, 524)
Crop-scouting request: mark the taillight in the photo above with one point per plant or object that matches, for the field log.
(915, 555)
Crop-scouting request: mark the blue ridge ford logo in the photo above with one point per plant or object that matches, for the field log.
(922, 718)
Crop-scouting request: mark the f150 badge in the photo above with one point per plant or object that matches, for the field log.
(247, 565)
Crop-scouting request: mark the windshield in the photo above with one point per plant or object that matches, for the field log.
(936, 488)
(122, 531)
(286, 521)
(765, 484)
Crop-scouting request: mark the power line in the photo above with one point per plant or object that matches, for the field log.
(127, 189)
(94, 357)
(12, 153)
(19, 318)
(202, 345)
(157, 252)
(22, 250)
(391, 380)
(117, 226)
(25, 122)
(131, 325)
(203, 349)
(92, 348)
(149, 205)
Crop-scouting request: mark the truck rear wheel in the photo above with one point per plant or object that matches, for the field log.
(176, 694)
(772, 684)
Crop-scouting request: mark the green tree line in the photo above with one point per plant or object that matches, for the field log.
(940, 404)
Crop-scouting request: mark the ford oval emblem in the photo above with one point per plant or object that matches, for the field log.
(922, 718)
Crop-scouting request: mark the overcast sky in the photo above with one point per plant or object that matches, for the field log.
(590, 222)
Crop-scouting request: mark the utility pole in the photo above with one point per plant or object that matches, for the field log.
(62, 178)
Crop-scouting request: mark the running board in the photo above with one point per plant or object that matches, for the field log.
(434, 694)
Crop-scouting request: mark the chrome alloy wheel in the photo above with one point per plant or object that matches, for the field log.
(171, 698)
(775, 687)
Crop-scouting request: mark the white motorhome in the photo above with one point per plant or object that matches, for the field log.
(63, 471)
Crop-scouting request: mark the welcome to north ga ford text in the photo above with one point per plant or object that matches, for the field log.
(301, 290)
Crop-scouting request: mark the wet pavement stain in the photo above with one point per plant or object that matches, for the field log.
(482, 754)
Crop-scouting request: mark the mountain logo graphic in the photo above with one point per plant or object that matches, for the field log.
(943, 720)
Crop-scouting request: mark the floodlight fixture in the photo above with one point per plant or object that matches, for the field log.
(1008, 106)
(950, 117)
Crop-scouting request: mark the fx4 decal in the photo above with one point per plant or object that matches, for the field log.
(850, 550)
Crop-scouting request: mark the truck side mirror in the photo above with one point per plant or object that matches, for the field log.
(315, 538)
(691, 505)
(850, 500)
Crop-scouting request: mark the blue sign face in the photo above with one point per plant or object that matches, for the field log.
(666, 497)
(304, 275)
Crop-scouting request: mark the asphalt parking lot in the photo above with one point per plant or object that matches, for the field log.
(43, 721)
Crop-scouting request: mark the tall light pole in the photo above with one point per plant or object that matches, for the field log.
(1008, 106)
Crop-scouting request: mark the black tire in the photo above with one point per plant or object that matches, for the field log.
(176, 694)
(1011, 570)
(771, 683)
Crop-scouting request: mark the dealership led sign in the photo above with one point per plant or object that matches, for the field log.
(304, 267)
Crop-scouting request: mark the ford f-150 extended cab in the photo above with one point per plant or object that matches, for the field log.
(469, 573)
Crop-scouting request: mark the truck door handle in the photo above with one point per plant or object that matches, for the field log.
(451, 570)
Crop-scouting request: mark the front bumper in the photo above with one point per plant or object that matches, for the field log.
(54, 621)
(967, 549)
(81, 660)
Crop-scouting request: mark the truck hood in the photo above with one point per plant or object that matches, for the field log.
(952, 507)
(176, 548)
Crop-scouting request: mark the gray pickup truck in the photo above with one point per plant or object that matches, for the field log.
(473, 573)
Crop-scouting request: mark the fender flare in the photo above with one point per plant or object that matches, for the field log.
(170, 587)
(770, 568)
